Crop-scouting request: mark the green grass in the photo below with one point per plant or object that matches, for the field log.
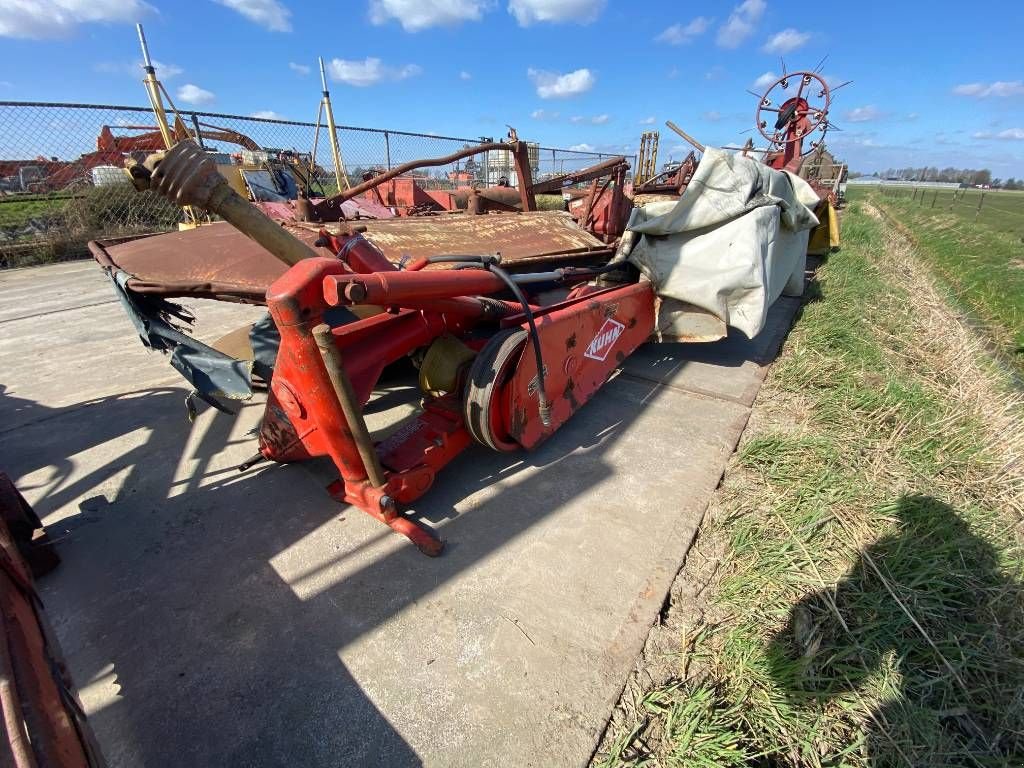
(980, 262)
(994, 209)
(868, 609)
(17, 211)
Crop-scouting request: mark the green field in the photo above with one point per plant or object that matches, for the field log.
(978, 255)
(994, 209)
(18, 211)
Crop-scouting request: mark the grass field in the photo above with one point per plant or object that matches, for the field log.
(980, 262)
(994, 209)
(855, 595)
(17, 211)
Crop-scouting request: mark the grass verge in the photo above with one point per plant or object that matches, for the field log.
(859, 598)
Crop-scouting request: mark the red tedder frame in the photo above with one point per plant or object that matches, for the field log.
(325, 375)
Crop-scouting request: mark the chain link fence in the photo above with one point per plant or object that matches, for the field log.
(61, 184)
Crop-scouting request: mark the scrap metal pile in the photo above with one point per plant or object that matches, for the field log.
(514, 316)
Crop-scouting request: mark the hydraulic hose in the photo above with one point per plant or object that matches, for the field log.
(542, 399)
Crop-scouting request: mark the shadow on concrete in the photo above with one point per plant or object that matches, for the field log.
(173, 589)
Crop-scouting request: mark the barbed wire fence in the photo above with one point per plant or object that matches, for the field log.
(61, 184)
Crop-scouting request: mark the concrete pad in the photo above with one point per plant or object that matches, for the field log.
(212, 618)
(732, 368)
(65, 342)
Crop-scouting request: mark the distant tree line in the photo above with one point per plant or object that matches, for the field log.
(969, 176)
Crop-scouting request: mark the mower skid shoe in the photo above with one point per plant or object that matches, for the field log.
(425, 541)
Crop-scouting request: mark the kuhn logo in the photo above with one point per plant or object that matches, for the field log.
(605, 340)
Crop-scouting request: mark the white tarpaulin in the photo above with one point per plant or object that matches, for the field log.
(731, 245)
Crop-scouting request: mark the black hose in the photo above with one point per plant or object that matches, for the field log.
(463, 259)
(542, 398)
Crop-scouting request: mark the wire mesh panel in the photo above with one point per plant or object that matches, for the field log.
(61, 179)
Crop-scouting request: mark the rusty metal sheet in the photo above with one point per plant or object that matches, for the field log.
(214, 260)
(517, 236)
(218, 261)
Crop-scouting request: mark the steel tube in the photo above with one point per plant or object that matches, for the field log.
(339, 167)
(398, 170)
(349, 405)
(395, 288)
(685, 135)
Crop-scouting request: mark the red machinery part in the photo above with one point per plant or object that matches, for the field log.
(43, 723)
(316, 395)
(794, 119)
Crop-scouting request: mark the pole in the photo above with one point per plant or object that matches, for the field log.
(346, 397)
(935, 197)
(156, 102)
(153, 91)
(339, 168)
(685, 135)
(387, 148)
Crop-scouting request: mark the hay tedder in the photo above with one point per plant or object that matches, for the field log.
(515, 317)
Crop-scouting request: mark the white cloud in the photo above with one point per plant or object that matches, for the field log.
(134, 69)
(543, 114)
(678, 34)
(299, 69)
(581, 148)
(715, 73)
(1010, 134)
(579, 11)
(595, 120)
(367, 72)
(416, 15)
(764, 81)
(193, 94)
(648, 121)
(787, 40)
(741, 23)
(59, 18)
(464, 75)
(713, 116)
(864, 114)
(267, 114)
(999, 88)
(552, 85)
(267, 13)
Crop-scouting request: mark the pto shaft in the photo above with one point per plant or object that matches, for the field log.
(186, 175)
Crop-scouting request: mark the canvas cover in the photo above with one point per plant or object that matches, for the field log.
(731, 245)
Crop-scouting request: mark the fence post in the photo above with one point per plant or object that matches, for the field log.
(980, 203)
(199, 132)
(387, 148)
(923, 192)
(935, 197)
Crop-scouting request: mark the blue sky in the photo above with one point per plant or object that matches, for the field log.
(935, 83)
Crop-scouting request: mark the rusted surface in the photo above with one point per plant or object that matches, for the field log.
(42, 722)
(516, 237)
(216, 260)
(213, 260)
